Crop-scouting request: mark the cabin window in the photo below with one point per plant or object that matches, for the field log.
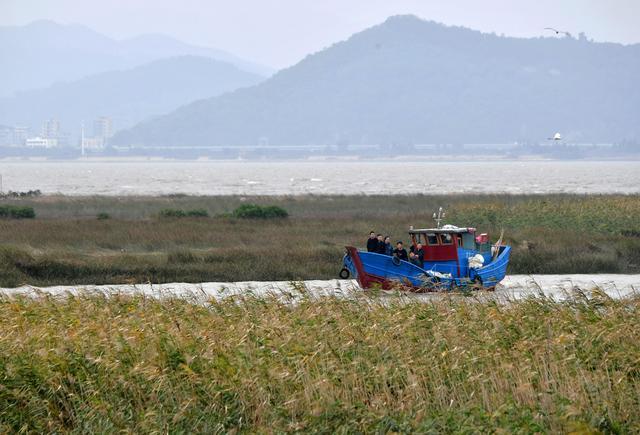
(468, 241)
(446, 239)
(432, 239)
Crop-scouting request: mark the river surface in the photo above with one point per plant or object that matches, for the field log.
(513, 287)
(319, 177)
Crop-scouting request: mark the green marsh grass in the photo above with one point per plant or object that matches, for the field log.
(66, 244)
(96, 364)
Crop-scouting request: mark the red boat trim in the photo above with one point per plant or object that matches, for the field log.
(367, 280)
(363, 277)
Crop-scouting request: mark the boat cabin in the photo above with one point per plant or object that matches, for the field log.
(441, 244)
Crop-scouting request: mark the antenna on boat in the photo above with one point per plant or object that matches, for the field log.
(438, 217)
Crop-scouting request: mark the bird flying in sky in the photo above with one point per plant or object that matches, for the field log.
(558, 32)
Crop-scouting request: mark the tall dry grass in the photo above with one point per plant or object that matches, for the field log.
(549, 234)
(95, 364)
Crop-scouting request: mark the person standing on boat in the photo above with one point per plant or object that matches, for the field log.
(381, 247)
(388, 247)
(418, 251)
(414, 259)
(372, 243)
(400, 252)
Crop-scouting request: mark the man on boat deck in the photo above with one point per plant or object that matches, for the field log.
(413, 259)
(381, 246)
(419, 253)
(400, 252)
(372, 243)
(388, 247)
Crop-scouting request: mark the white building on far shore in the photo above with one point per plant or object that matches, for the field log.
(41, 142)
(20, 134)
(102, 132)
(103, 127)
(51, 129)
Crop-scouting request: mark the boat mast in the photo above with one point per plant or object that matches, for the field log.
(439, 216)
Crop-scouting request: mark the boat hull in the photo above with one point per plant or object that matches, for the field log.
(373, 270)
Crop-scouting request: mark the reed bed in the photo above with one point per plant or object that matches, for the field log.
(96, 364)
(68, 244)
(498, 208)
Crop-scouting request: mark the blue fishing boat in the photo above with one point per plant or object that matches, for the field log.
(454, 257)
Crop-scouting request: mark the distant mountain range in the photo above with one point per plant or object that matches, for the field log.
(44, 52)
(127, 96)
(413, 81)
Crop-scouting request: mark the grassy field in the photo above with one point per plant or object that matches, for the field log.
(67, 244)
(96, 364)
(92, 364)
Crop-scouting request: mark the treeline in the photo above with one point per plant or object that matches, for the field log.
(27, 194)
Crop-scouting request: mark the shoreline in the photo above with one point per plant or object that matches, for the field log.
(513, 287)
(444, 158)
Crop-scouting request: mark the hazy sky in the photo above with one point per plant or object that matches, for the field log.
(281, 32)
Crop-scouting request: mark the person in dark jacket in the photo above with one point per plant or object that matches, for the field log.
(400, 252)
(381, 247)
(388, 247)
(418, 250)
(372, 243)
(413, 259)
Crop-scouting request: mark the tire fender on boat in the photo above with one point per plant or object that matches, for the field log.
(344, 273)
(477, 282)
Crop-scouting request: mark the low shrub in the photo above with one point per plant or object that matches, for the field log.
(17, 212)
(103, 216)
(254, 211)
(199, 212)
(179, 213)
(172, 213)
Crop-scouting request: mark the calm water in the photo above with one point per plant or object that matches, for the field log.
(340, 177)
